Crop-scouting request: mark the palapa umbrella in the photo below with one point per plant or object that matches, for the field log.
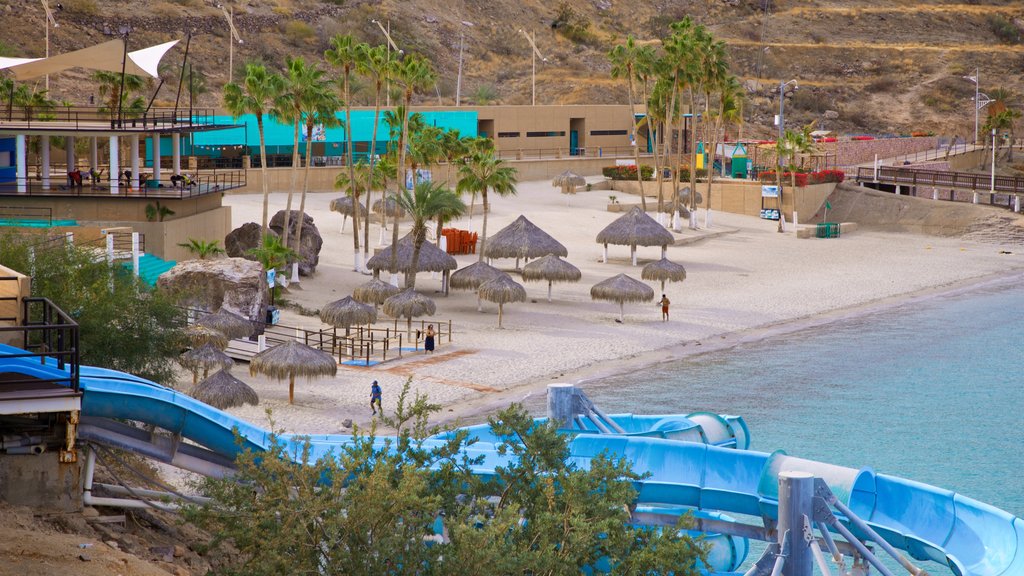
(291, 359)
(622, 289)
(635, 228)
(344, 205)
(522, 239)
(472, 276)
(432, 259)
(388, 206)
(568, 181)
(553, 269)
(199, 335)
(346, 312)
(227, 323)
(409, 304)
(204, 358)
(663, 270)
(375, 292)
(222, 390)
(501, 290)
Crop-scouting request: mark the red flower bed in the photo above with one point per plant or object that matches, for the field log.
(805, 178)
(862, 138)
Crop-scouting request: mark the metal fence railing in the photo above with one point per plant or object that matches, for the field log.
(81, 117)
(48, 332)
(201, 183)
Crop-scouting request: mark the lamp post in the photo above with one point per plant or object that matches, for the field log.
(458, 83)
(782, 109)
(50, 21)
(391, 44)
(992, 186)
(229, 13)
(536, 53)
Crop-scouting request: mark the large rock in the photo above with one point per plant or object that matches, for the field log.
(309, 251)
(234, 284)
(239, 241)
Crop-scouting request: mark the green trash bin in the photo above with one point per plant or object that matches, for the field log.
(828, 230)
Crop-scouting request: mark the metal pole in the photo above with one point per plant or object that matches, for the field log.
(992, 188)
(977, 87)
(561, 401)
(458, 83)
(796, 492)
(534, 81)
(231, 47)
(120, 94)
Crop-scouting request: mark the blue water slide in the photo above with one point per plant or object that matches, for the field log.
(970, 537)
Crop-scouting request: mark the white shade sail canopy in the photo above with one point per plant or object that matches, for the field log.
(108, 56)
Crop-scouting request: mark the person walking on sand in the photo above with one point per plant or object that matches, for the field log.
(375, 394)
(428, 341)
(664, 307)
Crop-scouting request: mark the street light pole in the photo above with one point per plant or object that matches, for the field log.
(233, 37)
(50, 20)
(458, 83)
(536, 53)
(782, 109)
(992, 186)
(390, 44)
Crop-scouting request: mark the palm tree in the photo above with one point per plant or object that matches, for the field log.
(320, 108)
(426, 148)
(624, 63)
(31, 100)
(453, 148)
(110, 88)
(729, 94)
(345, 54)
(291, 103)
(202, 248)
(373, 63)
(424, 202)
(412, 74)
(362, 178)
(255, 96)
(791, 145)
(682, 65)
(483, 171)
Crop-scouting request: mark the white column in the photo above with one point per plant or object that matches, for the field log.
(69, 152)
(135, 253)
(133, 155)
(94, 153)
(176, 153)
(21, 163)
(935, 193)
(44, 152)
(114, 166)
(1016, 203)
(155, 145)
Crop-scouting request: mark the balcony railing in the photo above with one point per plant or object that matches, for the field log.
(81, 118)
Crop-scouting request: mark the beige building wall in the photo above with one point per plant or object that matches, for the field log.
(14, 287)
(743, 196)
(162, 238)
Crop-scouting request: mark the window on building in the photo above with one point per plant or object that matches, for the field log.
(508, 134)
(545, 134)
(609, 132)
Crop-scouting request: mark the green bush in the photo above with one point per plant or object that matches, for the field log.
(1005, 30)
(627, 172)
(298, 31)
(684, 173)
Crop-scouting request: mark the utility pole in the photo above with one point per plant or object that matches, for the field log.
(229, 13)
(391, 44)
(533, 44)
(50, 21)
(458, 83)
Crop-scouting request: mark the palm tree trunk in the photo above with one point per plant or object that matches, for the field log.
(291, 388)
(369, 179)
(305, 188)
(711, 175)
(636, 142)
(500, 306)
(483, 230)
(291, 189)
(419, 236)
(693, 158)
(357, 265)
(401, 176)
(549, 290)
(263, 174)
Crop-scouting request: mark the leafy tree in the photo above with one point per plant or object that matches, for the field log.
(425, 202)
(202, 248)
(256, 95)
(107, 301)
(483, 171)
(373, 506)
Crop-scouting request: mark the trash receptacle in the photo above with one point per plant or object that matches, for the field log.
(273, 315)
(828, 230)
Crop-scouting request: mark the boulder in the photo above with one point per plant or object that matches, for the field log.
(234, 284)
(309, 251)
(239, 241)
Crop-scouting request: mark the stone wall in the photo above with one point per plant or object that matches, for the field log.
(850, 152)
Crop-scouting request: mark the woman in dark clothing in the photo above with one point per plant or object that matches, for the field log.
(428, 342)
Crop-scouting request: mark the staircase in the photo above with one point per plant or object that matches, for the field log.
(151, 267)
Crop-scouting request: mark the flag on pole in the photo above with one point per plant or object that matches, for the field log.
(828, 206)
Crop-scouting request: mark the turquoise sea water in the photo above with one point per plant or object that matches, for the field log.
(930, 390)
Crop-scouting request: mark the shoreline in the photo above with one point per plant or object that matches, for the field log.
(476, 410)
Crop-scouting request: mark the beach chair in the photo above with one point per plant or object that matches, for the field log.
(472, 243)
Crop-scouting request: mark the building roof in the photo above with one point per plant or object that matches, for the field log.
(109, 56)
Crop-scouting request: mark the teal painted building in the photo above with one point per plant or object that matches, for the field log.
(326, 142)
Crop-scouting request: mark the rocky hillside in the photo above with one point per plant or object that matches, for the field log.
(862, 65)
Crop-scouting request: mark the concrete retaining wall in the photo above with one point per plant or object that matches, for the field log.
(41, 482)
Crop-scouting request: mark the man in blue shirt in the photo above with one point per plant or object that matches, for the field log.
(375, 398)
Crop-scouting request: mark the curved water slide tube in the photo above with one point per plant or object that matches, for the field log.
(929, 523)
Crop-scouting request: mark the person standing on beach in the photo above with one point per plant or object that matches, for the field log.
(664, 307)
(428, 341)
(375, 394)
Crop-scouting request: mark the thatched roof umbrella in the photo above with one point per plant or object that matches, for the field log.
(553, 269)
(222, 390)
(409, 304)
(227, 323)
(501, 290)
(622, 289)
(432, 259)
(388, 206)
(376, 291)
(346, 312)
(291, 359)
(204, 358)
(199, 335)
(522, 239)
(568, 181)
(635, 228)
(472, 276)
(663, 270)
(344, 205)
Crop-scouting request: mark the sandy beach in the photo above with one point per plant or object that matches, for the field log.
(744, 281)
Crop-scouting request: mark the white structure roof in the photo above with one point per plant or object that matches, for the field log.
(107, 56)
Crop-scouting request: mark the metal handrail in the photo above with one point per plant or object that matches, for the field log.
(80, 117)
(42, 213)
(219, 181)
(942, 179)
(48, 332)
